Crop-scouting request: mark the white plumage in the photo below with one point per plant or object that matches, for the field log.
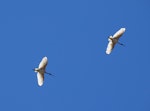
(40, 78)
(114, 39)
(41, 70)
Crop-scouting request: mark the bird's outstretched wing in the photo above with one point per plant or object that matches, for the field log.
(43, 63)
(110, 47)
(40, 78)
(119, 33)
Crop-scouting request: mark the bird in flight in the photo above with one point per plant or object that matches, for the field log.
(114, 39)
(41, 70)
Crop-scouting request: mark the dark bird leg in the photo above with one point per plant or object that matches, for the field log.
(49, 73)
(120, 44)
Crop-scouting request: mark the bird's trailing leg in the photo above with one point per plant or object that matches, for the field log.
(49, 73)
(120, 44)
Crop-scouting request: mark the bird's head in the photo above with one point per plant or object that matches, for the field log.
(35, 69)
(110, 38)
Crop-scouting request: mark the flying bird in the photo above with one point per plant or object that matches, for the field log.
(114, 39)
(41, 71)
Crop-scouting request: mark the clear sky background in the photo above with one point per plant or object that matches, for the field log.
(73, 35)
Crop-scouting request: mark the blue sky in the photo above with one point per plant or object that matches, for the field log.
(73, 35)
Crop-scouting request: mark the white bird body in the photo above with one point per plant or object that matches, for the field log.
(41, 71)
(114, 39)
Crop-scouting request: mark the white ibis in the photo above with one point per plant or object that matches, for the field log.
(114, 39)
(41, 71)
